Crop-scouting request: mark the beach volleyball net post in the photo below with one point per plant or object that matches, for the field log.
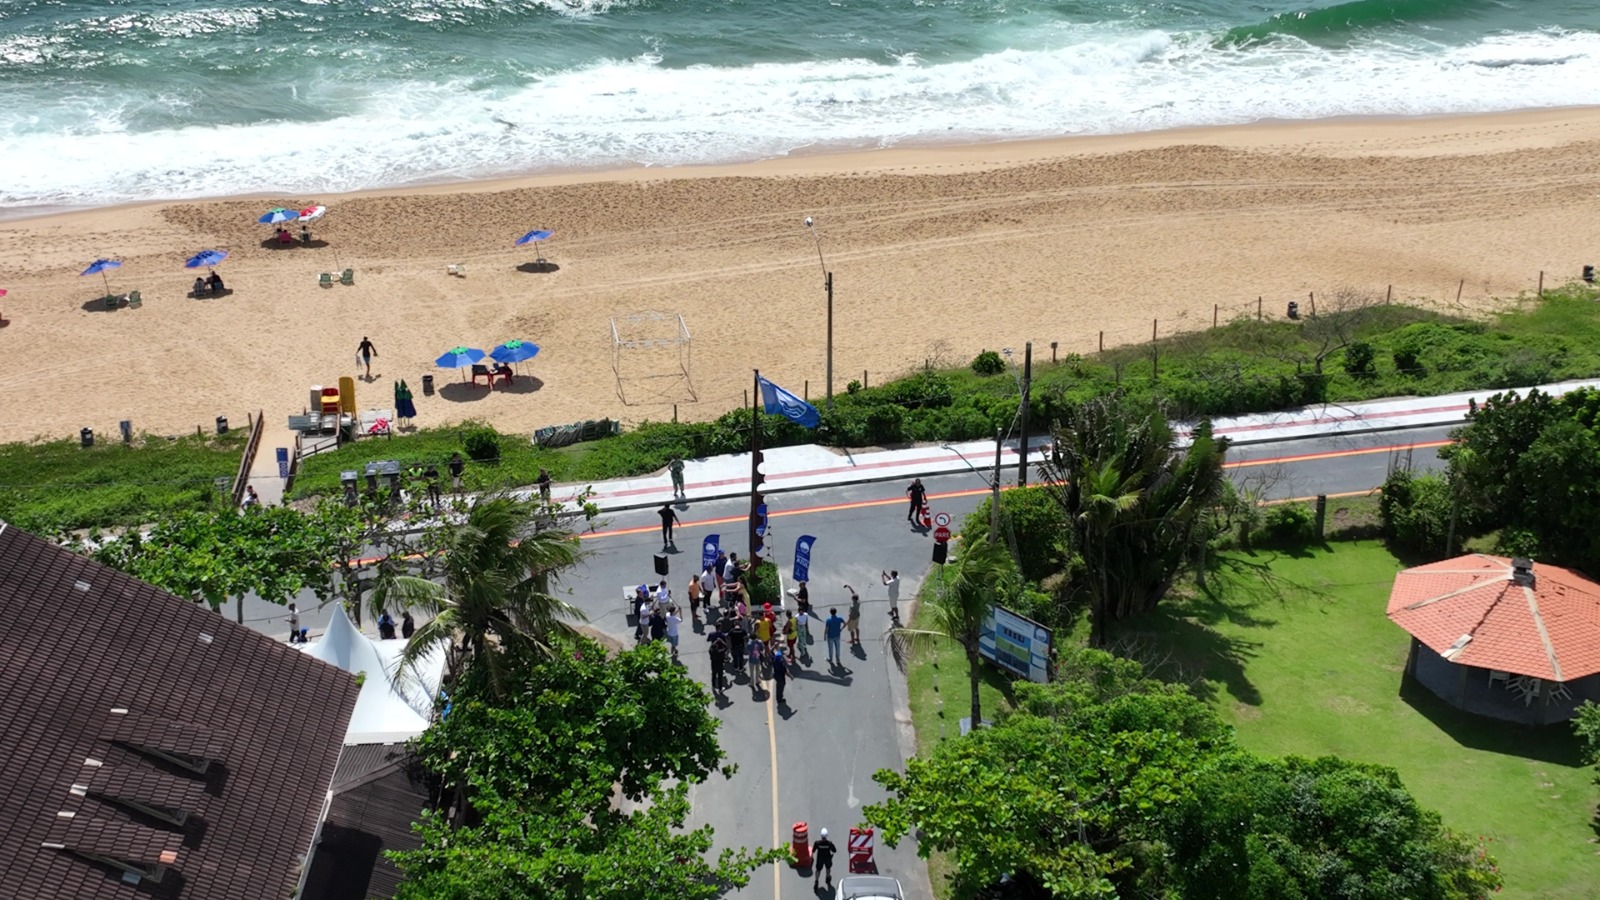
(651, 355)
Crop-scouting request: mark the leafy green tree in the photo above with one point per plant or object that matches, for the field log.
(217, 555)
(495, 568)
(1105, 783)
(537, 772)
(1529, 467)
(1139, 509)
(1031, 524)
(983, 575)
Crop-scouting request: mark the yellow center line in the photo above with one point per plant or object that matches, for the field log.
(772, 746)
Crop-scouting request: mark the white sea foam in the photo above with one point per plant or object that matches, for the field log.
(639, 112)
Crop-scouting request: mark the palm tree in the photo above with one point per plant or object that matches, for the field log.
(493, 590)
(1105, 496)
(984, 575)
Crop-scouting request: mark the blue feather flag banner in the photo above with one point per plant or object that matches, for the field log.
(776, 400)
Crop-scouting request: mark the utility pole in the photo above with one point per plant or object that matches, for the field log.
(755, 471)
(994, 487)
(1027, 383)
(827, 283)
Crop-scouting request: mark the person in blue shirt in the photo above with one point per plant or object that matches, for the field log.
(832, 631)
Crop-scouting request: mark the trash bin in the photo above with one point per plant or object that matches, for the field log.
(222, 424)
(1294, 309)
(1588, 274)
(427, 385)
(86, 436)
(349, 479)
(127, 430)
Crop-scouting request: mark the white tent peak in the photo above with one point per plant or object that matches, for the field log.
(395, 704)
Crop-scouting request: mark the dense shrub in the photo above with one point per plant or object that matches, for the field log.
(886, 425)
(1414, 512)
(1032, 522)
(1360, 361)
(1288, 525)
(988, 363)
(482, 443)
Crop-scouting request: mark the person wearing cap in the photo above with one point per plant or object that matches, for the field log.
(822, 851)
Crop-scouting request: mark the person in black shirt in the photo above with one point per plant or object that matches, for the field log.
(457, 464)
(719, 658)
(736, 638)
(780, 677)
(668, 518)
(918, 494)
(822, 850)
(658, 625)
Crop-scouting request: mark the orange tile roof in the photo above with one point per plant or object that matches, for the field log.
(1550, 630)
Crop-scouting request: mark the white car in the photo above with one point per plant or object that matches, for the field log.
(868, 887)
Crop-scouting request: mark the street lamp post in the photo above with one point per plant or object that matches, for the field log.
(827, 286)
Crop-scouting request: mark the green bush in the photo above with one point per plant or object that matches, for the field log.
(886, 425)
(988, 363)
(1414, 512)
(1360, 361)
(763, 584)
(1288, 525)
(482, 444)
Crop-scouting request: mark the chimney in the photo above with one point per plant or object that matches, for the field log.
(1522, 571)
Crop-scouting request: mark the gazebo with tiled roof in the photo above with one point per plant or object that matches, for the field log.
(1507, 638)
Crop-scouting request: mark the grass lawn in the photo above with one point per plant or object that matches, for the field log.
(47, 486)
(1303, 661)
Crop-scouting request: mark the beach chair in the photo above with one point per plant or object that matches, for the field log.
(348, 277)
(113, 301)
(482, 371)
(457, 269)
(134, 300)
(325, 279)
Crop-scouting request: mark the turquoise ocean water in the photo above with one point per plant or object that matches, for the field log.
(118, 100)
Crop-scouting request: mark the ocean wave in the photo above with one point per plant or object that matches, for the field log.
(1341, 20)
(342, 136)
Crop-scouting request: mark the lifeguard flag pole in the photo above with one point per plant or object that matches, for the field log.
(756, 477)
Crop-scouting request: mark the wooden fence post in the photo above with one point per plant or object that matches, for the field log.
(1541, 284)
(1214, 308)
(1388, 295)
(1102, 342)
(1258, 307)
(1155, 351)
(1459, 288)
(1313, 302)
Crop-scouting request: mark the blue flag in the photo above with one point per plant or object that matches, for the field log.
(775, 399)
(709, 550)
(802, 557)
(761, 520)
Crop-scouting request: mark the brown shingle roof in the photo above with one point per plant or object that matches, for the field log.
(1550, 630)
(379, 790)
(109, 690)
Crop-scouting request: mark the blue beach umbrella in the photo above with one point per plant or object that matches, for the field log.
(279, 216)
(538, 234)
(205, 258)
(514, 351)
(99, 267)
(459, 358)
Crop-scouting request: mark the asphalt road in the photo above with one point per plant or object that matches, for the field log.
(812, 758)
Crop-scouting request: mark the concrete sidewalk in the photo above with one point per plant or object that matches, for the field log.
(813, 466)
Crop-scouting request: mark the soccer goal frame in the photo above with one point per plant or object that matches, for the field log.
(636, 335)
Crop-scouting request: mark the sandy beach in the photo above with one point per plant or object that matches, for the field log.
(936, 252)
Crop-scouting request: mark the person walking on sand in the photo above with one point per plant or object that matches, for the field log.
(676, 468)
(822, 851)
(918, 495)
(669, 518)
(366, 351)
(832, 629)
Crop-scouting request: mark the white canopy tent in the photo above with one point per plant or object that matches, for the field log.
(394, 705)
